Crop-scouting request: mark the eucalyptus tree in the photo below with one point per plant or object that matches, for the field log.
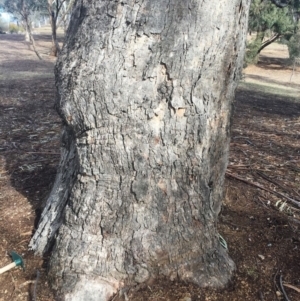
(23, 9)
(145, 91)
(57, 9)
(270, 21)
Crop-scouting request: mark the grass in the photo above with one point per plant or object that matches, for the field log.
(46, 30)
(268, 88)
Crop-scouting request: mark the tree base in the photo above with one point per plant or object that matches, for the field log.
(216, 272)
(89, 289)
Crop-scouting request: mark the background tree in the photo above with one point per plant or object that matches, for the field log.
(294, 46)
(24, 9)
(65, 15)
(145, 90)
(294, 51)
(270, 21)
(58, 10)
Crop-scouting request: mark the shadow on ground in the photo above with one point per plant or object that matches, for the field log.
(30, 136)
(266, 103)
(273, 63)
(29, 66)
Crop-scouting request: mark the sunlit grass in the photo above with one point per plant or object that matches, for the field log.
(269, 88)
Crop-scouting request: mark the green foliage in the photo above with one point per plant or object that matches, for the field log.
(251, 56)
(18, 6)
(270, 23)
(265, 16)
(294, 46)
(14, 28)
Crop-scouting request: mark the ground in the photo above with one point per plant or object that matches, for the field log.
(261, 211)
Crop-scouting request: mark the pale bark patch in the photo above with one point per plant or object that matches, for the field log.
(180, 112)
(88, 289)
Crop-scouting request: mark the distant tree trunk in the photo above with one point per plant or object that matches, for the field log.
(25, 20)
(54, 8)
(53, 22)
(28, 32)
(65, 15)
(26, 35)
(145, 89)
(31, 38)
(266, 43)
(259, 44)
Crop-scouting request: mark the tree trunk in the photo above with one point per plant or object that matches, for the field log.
(268, 42)
(55, 49)
(29, 36)
(26, 35)
(65, 16)
(145, 89)
(27, 30)
(55, 46)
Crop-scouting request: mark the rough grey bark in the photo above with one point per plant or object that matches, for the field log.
(145, 88)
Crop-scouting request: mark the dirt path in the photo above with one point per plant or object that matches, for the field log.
(259, 225)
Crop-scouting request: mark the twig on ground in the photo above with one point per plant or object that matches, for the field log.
(26, 233)
(263, 188)
(264, 176)
(14, 289)
(244, 138)
(283, 290)
(19, 243)
(239, 166)
(46, 153)
(295, 220)
(261, 296)
(26, 283)
(275, 284)
(232, 224)
(245, 154)
(292, 287)
(42, 160)
(296, 192)
(35, 285)
(293, 167)
(126, 297)
(260, 202)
